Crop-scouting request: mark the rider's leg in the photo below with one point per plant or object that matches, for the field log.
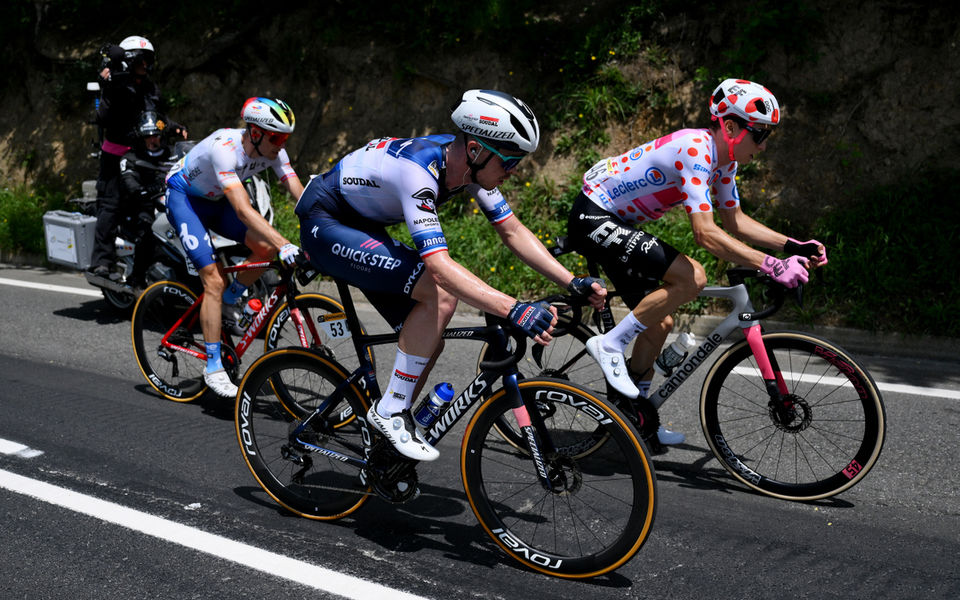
(261, 250)
(189, 224)
(645, 350)
(682, 282)
(213, 285)
(419, 346)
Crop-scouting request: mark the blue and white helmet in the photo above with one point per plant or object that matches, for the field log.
(499, 119)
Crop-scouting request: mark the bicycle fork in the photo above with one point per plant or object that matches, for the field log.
(770, 372)
(534, 432)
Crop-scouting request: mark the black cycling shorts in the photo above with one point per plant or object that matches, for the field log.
(634, 260)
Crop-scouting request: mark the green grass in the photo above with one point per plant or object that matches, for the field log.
(21, 218)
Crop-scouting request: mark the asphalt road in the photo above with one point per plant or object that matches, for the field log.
(108, 491)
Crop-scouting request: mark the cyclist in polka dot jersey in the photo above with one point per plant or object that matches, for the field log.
(695, 168)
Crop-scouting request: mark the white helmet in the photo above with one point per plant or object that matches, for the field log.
(745, 99)
(498, 119)
(137, 47)
(272, 115)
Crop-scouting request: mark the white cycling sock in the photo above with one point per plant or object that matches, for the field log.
(406, 372)
(617, 339)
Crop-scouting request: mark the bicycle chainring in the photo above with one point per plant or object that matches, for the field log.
(644, 417)
(231, 363)
(391, 475)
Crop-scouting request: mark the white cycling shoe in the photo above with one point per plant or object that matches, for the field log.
(402, 433)
(220, 383)
(614, 367)
(670, 438)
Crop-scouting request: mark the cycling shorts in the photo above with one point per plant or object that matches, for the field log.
(634, 260)
(341, 243)
(191, 216)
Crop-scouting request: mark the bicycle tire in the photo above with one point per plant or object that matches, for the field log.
(603, 507)
(174, 375)
(829, 440)
(319, 486)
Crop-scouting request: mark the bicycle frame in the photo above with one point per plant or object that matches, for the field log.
(257, 322)
(530, 421)
(742, 315)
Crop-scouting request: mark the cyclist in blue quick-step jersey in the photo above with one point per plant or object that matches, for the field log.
(390, 180)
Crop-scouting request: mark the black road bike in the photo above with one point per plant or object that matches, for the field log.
(301, 426)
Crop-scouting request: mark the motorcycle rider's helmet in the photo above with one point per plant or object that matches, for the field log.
(136, 48)
(149, 123)
(499, 120)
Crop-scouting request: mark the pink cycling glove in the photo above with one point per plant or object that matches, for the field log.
(788, 272)
(812, 249)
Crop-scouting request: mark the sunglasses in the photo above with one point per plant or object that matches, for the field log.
(277, 139)
(759, 135)
(509, 162)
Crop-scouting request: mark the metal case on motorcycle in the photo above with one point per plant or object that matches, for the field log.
(69, 237)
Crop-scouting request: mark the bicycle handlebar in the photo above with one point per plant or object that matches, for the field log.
(520, 341)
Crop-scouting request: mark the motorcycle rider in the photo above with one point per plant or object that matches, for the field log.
(205, 190)
(142, 172)
(126, 91)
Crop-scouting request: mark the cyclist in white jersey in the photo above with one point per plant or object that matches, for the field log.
(205, 191)
(343, 214)
(696, 169)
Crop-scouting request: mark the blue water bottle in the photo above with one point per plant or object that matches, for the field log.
(433, 404)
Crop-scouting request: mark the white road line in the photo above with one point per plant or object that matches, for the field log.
(897, 388)
(271, 563)
(66, 289)
(15, 448)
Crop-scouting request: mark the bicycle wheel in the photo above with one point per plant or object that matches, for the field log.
(320, 483)
(175, 375)
(824, 438)
(601, 508)
(333, 342)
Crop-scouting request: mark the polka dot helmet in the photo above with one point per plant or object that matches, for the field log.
(745, 99)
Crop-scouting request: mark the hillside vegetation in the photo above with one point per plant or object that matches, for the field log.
(865, 159)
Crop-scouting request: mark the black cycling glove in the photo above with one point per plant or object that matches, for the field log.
(532, 317)
(582, 287)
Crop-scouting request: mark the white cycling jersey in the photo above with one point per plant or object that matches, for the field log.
(398, 179)
(218, 162)
(644, 183)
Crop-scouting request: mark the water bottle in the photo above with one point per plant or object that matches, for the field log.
(674, 354)
(251, 308)
(433, 404)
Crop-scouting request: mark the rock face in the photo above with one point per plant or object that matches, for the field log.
(870, 101)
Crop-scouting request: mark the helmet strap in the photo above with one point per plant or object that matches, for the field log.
(475, 167)
(255, 143)
(731, 142)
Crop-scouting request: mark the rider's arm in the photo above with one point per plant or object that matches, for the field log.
(288, 177)
(237, 197)
(749, 230)
(523, 243)
(456, 279)
(709, 236)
